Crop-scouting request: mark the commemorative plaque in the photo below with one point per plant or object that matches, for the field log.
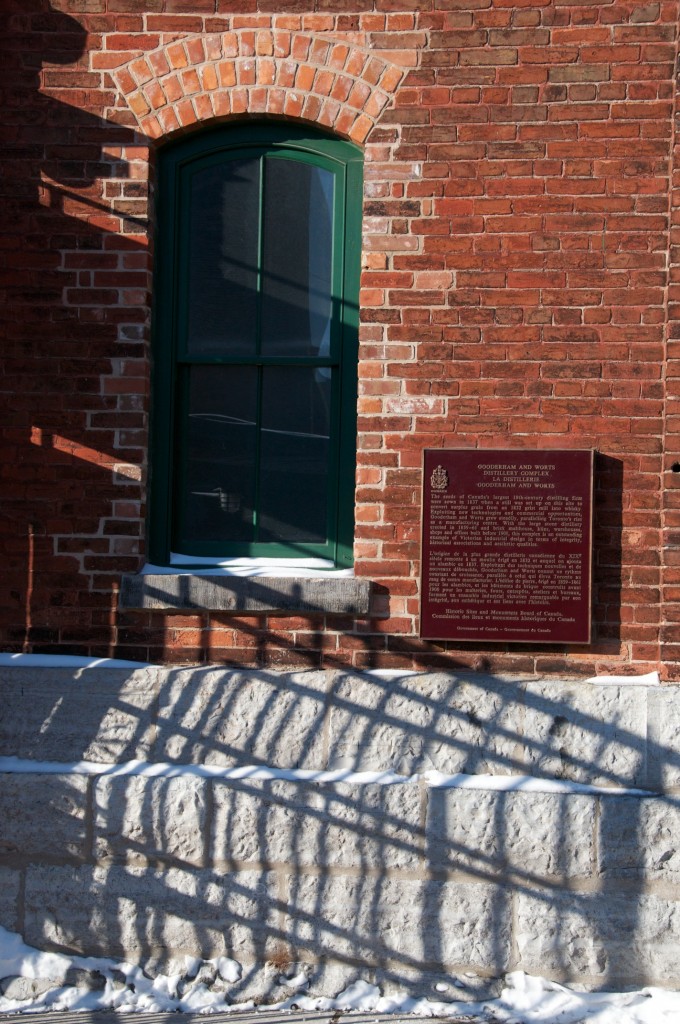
(506, 545)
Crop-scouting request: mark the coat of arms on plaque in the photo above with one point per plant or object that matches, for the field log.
(439, 480)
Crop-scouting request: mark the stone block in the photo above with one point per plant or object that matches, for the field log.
(10, 888)
(586, 733)
(16, 987)
(138, 818)
(43, 815)
(403, 922)
(604, 938)
(134, 912)
(61, 714)
(249, 595)
(532, 834)
(663, 749)
(338, 825)
(218, 716)
(638, 839)
(427, 721)
(438, 986)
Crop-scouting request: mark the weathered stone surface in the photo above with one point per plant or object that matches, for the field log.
(663, 737)
(401, 921)
(334, 916)
(145, 818)
(135, 912)
(60, 714)
(639, 838)
(263, 985)
(585, 732)
(419, 722)
(328, 978)
(299, 595)
(16, 987)
(534, 834)
(10, 887)
(79, 977)
(622, 939)
(43, 815)
(217, 716)
(303, 824)
(60, 973)
(439, 986)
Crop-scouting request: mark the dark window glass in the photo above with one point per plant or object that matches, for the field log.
(218, 499)
(256, 345)
(297, 259)
(223, 259)
(294, 463)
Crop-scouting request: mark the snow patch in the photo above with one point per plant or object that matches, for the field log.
(525, 784)
(67, 661)
(649, 679)
(432, 779)
(125, 987)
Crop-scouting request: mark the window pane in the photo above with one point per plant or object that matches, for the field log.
(294, 453)
(223, 256)
(297, 259)
(218, 499)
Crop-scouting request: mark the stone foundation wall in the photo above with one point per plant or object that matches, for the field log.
(543, 855)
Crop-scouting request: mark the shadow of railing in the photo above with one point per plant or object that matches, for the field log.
(405, 829)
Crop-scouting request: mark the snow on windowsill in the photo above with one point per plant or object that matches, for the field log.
(300, 567)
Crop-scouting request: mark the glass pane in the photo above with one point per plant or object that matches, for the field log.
(223, 256)
(219, 495)
(297, 259)
(294, 454)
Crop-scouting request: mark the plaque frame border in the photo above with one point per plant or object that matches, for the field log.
(484, 640)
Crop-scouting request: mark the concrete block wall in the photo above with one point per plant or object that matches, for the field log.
(530, 825)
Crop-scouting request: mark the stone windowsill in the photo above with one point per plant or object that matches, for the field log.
(246, 595)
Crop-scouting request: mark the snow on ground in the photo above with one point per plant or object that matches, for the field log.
(54, 981)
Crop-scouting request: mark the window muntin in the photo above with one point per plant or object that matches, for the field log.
(255, 389)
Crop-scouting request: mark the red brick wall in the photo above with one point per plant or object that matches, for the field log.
(520, 290)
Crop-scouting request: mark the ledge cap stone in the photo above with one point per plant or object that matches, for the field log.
(273, 595)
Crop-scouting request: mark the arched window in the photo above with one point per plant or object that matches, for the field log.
(255, 347)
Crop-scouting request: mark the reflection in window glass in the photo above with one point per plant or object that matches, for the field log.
(294, 454)
(223, 257)
(221, 448)
(297, 259)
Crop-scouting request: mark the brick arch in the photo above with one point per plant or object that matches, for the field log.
(296, 74)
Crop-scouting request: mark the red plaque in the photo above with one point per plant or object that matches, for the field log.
(507, 539)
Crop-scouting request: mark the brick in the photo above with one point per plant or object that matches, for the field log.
(544, 135)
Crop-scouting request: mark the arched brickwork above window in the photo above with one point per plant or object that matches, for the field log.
(296, 74)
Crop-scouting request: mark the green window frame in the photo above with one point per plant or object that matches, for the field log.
(255, 346)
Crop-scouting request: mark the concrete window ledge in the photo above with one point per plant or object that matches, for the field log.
(273, 595)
